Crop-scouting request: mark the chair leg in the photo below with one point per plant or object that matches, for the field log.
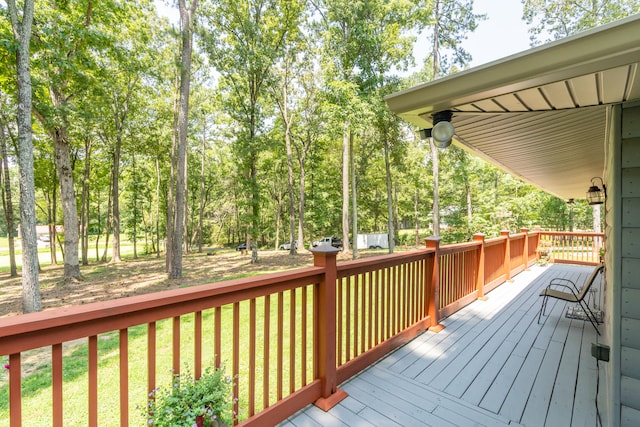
(590, 315)
(542, 307)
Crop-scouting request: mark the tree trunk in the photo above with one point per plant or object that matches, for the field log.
(52, 204)
(115, 198)
(467, 187)
(434, 149)
(107, 231)
(436, 189)
(171, 196)
(85, 203)
(345, 187)
(69, 206)
(387, 167)
(185, 219)
(30, 282)
(7, 203)
(202, 169)
(157, 219)
(99, 229)
(292, 208)
(135, 207)
(354, 201)
(301, 203)
(186, 20)
(416, 215)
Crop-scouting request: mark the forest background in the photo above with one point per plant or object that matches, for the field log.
(256, 121)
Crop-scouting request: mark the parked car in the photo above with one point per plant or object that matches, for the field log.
(336, 242)
(243, 246)
(287, 246)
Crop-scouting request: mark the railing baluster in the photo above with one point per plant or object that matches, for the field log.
(56, 383)
(292, 341)
(15, 390)
(365, 310)
(197, 344)
(349, 286)
(407, 295)
(252, 356)
(339, 331)
(280, 345)
(93, 380)
(355, 310)
(176, 345)
(217, 336)
(124, 377)
(388, 304)
(304, 333)
(378, 307)
(236, 358)
(266, 350)
(371, 311)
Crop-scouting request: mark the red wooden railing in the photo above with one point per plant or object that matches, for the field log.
(288, 338)
(572, 247)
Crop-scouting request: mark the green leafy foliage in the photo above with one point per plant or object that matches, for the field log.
(114, 65)
(209, 396)
(552, 20)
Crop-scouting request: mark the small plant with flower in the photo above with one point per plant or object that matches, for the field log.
(544, 252)
(206, 401)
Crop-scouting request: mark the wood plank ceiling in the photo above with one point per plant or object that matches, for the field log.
(542, 114)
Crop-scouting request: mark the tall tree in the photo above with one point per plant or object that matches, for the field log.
(7, 203)
(22, 33)
(344, 54)
(187, 16)
(312, 125)
(64, 60)
(553, 20)
(244, 40)
(452, 20)
(284, 93)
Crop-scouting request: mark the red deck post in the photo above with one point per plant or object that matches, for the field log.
(331, 395)
(433, 288)
(479, 237)
(507, 254)
(525, 256)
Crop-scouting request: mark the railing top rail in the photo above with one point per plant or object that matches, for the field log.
(33, 330)
(381, 261)
(460, 247)
(495, 240)
(572, 233)
(375, 261)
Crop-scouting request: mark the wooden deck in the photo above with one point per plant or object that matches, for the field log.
(492, 365)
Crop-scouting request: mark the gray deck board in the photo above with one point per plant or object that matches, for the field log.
(492, 365)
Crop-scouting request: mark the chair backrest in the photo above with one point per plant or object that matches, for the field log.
(590, 280)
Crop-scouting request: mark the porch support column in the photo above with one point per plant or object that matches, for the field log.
(433, 285)
(507, 254)
(479, 237)
(325, 334)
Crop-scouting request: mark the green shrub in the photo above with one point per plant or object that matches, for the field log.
(210, 397)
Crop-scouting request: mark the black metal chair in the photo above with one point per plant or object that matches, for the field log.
(574, 295)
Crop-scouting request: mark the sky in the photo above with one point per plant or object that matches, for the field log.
(502, 34)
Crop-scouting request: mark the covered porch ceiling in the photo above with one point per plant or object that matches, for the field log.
(540, 114)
